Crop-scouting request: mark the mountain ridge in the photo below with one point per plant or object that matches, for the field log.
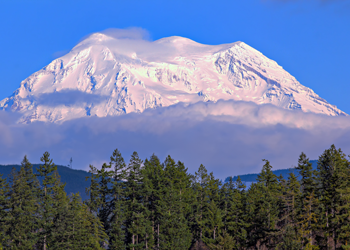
(125, 75)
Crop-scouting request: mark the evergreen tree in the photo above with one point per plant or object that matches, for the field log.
(224, 242)
(22, 223)
(289, 234)
(93, 191)
(135, 209)
(344, 217)
(175, 233)
(47, 172)
(201, 203)
(214, 214)
(332, 165)
(308, 201)
(153, 188)
(106, 196)
(60, 236)
(265, 202)
(233, 206)
(4, 189)
(75, 227)
(214, 221)
(94, 236)
(289, 239)
(117, 234)
(101, 195)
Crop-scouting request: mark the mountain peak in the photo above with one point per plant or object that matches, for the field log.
(92, 39)
(124, 76)
(177, 40)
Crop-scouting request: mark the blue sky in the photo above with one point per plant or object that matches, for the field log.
(310, 39)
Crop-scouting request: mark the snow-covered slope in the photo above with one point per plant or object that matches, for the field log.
(103, 76)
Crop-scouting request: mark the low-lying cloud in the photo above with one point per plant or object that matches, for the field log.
(135, 33)
(68, 98)
(228, 137)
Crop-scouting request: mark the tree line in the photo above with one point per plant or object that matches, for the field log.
(159, 205)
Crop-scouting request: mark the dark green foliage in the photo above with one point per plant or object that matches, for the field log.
(74, 226)
(264, 200)
(23, 206)
(154, 205)
(234, 212)
(333, 179)
(75, 179)
(284, 172)
(50, 186)
(4, 189)
(176, 197)
(117, 233)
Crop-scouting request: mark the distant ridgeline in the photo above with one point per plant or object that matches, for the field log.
(249, 178)
(74, 179)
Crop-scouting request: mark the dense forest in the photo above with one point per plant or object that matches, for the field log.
(154, 205)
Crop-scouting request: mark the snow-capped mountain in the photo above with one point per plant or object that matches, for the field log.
(104, 76)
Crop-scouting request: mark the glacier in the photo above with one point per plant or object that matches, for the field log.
(105, 76)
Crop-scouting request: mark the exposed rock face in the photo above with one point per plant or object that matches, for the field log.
(103, 76)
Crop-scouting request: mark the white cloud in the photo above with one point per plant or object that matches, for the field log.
(228, 137)
(135, 33)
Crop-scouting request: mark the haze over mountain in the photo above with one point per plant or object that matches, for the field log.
(106, 76)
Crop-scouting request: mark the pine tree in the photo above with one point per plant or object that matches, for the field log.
(4, 189)
(344, 218)
(256, 215)
(93, 235)
(75, 227)
(201, 203)
(214, 221)
(175, 233)
(152, 190)
(135, 209)
(106, 196)
(22, 224)
(92, 191)
(233, 206)
(167, 193)
(289, 239)
(101, 196)
(60, 236)
(213, 214)
(48, 172)
(331, 166)
(265, 199)
(306, 213)
(224, 242)
(117, 234)
(289, 235)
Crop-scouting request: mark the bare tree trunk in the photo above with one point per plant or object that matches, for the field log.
(158, 237)
(45, 224)
(327, 229)
(146, 241)
(44, 243)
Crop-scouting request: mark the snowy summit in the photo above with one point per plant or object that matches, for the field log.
(106, 76)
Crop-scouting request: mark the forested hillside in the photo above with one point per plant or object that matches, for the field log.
(75, 180)
(158, 205)
(284, 172)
